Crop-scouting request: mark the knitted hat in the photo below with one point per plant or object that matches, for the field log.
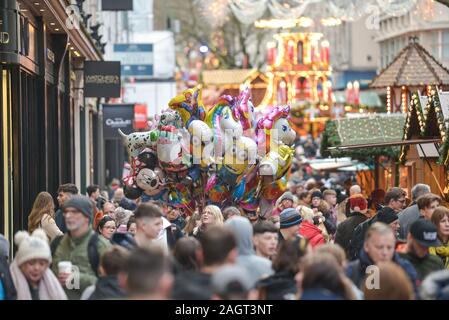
(317, 194)
(386, 215)
(81, 203)
(32, 247)
(289, 217)
(287, 196)
(358, 200)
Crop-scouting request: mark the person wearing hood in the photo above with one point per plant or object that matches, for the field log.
(358, 214)
(309, 230)
(258, 267)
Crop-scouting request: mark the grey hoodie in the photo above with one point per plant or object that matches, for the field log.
(258, 267)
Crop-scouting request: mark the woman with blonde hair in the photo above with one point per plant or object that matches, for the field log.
(309, 230)
(42, 216)
(211, 216)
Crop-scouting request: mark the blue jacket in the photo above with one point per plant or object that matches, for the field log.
(356, 270)
(6, 282)
(60, 221)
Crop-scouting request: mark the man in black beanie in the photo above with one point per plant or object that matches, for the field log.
(388, 216)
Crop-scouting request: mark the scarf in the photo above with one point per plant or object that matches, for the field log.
(442, 252)
(49, 286)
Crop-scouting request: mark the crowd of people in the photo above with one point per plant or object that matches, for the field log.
(317, 243)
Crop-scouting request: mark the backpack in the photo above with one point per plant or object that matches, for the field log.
(92, 251)
(356, 242)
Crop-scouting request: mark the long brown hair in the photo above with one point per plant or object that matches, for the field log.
(43, 204)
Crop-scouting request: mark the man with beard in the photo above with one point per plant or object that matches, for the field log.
(80, 245)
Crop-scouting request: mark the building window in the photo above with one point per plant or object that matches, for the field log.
(445, 45)
(434, 45)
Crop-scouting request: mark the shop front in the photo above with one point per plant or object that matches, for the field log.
(39, 107)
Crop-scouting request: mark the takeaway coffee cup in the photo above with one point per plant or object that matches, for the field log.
(65, 267)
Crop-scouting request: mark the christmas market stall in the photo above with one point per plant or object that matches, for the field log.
(366, 138)
(424, 157)
(415, 70)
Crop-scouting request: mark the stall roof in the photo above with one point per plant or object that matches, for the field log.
(371, 129)
(369, 134)
(413, 66)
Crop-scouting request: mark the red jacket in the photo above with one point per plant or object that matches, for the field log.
(312, 233)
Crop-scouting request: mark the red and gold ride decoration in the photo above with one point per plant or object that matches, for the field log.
(298, 74)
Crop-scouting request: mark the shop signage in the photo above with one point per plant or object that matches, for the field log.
(117, 116)
(50, 55)
(140, 116)
(137, 59)
(117, 5)
(102, 79)
(8, 31)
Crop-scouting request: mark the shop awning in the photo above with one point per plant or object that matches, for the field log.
(386, 144)
(356, 168)
(330, 163)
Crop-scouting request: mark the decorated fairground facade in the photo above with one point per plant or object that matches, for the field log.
(298, 69)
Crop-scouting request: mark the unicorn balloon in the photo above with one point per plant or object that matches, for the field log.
(243, 110)
(275, 137)
(225, 126)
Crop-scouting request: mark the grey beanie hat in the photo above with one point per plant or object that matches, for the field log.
(81, 203)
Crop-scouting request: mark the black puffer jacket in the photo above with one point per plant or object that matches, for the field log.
(107, 288)
(6, 280)
(346, 229)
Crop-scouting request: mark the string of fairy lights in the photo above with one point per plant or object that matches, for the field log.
(327, 12)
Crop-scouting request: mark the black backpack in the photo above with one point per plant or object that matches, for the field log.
(92, 251)
(358, 237)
